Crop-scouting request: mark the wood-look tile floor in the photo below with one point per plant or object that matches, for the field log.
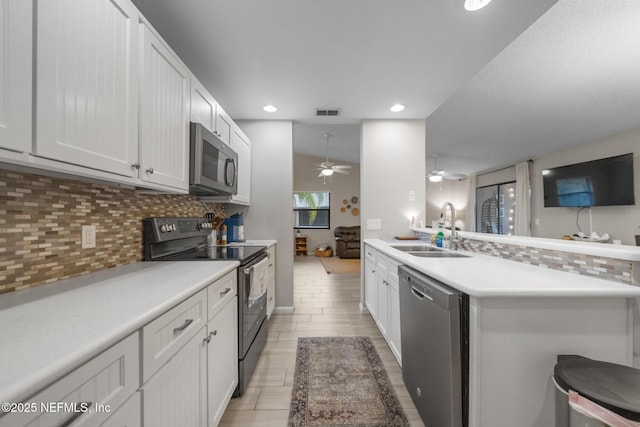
(325, 305)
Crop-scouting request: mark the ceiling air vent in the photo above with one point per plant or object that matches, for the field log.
(327, 112)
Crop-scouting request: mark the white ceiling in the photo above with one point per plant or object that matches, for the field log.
(364, 55)
(572, 77)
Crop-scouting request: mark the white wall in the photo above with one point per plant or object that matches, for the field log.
(340, 187)
(392, 162)
(621, 222)
(270, 215)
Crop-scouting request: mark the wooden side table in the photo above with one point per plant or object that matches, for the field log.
(301, 245)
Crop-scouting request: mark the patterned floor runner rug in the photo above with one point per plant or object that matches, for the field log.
(340, 381)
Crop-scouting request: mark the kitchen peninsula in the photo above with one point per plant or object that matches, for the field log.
(521, 316)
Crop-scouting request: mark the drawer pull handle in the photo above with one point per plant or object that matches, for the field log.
(226, 291)
(84, 407)
(183, 327)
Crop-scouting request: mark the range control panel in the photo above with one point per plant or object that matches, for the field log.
(161, 229)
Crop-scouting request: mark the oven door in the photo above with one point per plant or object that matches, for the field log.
(252, 316)
(213, 166)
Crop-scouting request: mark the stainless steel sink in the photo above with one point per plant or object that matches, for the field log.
(439, 254)
(416, 248)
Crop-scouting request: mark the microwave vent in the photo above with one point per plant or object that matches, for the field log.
(327, 112)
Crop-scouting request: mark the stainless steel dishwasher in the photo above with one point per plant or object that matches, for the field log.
(434, 322)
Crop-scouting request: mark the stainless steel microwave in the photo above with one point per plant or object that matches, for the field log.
(213, 165)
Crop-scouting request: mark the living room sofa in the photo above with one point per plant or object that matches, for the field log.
(347, 241)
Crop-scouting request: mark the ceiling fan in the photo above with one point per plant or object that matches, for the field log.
(327, 168)
(437, 175)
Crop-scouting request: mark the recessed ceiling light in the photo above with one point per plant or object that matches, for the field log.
(270, 108)
(472, 5)
(397, 108)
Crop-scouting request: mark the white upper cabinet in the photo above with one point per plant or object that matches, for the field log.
(164, 114)
(241, 144)
(87, 83)
(205, 110)
(224, 124)
(15, 74)
(203, 106)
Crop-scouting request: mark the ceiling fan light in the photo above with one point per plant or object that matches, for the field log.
(472, 5)
(435, 178)
(327, 172)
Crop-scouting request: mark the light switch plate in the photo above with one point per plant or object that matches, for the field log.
(412, 195)
(374, 224)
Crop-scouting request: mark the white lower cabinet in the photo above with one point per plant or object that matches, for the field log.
(271, 281)
(87, 395)
(382, 297)
(128, 415)
(194, 386)
(176, 395)
(370, 285)
(222, 360)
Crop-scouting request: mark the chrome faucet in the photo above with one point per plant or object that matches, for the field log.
(454, 233)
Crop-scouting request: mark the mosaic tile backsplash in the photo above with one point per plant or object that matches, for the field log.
(41, 221)
(603, 268)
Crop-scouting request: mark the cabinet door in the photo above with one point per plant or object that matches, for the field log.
(87, 83)
(224, 124)
(393, 337)
(241, 144)
(370, 288)
(128, 415)
(164, 114)
(222, 363)
(16, 47)
(203, 106)
(382, 285)
(271, 281)
(107, 380)
(177, 394)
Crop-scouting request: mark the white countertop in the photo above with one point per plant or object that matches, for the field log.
(605, 250)
(248, 242)
(48, 331)
(489, 276)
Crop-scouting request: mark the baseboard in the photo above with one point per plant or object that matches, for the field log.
(283, 310)
(363, 309)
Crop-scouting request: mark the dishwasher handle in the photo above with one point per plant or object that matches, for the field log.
(420, 295)
(424, 287)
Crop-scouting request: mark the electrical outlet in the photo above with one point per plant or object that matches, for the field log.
(88, 236)
(412, 195)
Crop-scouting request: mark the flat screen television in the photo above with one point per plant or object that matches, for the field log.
(603, 182)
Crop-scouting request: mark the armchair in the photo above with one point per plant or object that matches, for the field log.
(347, 241)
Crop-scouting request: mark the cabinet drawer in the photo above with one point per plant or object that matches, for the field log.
(370, 254)
(107, 379)
(168, 333)
(220, 292)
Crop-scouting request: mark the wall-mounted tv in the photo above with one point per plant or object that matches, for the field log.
(603, 182)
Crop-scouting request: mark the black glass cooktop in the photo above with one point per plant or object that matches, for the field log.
(222, 253)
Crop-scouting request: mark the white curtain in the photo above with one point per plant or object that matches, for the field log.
(523, 200)
(470, 214)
